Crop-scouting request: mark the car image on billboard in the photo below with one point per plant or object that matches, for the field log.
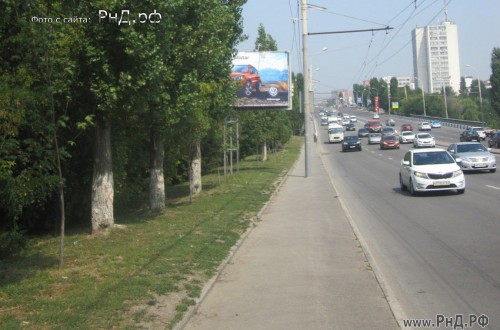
(263, 79)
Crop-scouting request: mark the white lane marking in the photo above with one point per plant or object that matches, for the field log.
(493, 187)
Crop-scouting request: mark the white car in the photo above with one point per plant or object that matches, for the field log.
(346, 116)
(335, 134)
(425, 170)
(346, 121)
(407, 137)
(354, 119)
(424, 126)
(424, 140)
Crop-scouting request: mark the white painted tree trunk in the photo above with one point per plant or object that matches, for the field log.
(102, 178)
(156, 176)
(195, 171)
(264, 152)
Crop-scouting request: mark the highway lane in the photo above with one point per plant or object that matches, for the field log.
(438, 253)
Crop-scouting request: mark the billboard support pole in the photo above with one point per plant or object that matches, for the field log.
(307, 109)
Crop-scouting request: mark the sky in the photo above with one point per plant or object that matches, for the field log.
(354, 57)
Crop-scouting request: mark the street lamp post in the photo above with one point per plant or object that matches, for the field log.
(307, 109)
(480, 97)
(423, 95)
(445, 102)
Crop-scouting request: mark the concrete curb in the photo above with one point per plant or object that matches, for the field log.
(211, 283)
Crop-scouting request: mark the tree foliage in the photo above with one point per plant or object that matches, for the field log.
(495, 80)
(69, 80)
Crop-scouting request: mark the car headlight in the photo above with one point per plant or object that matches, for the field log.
(422, 175)
(457, 173)
(345, 143)
(490, 159)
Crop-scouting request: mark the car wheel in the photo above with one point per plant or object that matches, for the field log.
(493, 170)
(460, 191)
(258, 87)
(248, 88)
(273, 91)
(360, 148)
(411, 188)
(401, 184)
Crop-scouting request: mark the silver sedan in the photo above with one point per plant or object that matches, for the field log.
(474, 156)
(374, 138)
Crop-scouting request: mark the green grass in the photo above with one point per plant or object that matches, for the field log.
(150, 269)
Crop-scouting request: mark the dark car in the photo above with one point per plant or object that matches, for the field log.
(351, 142)
(494, 141)
(350, 127)
(406, 127)
(248, 77)
(469, 136)
(389, 142)
(363, 132)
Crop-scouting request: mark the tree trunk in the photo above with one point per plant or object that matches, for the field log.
(102, 178)
(156, 176)
(264, 152)
(195, 170)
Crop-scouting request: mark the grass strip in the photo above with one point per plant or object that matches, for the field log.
(146, 272)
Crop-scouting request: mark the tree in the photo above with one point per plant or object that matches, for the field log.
(264, 41)
(495, 80)
(463, 88)
(470, 110)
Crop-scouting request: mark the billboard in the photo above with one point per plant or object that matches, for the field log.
(263, 80)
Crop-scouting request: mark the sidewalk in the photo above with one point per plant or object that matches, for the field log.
(301, 267)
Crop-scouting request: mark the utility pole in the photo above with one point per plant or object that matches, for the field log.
(307, 83)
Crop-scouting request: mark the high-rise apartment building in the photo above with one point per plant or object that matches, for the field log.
(435, 57)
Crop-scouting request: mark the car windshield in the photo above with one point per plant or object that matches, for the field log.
(351, 138)
(375, 134)
(390, 137)
(335, 130)
(424, 136)
(407, 133)
(473, 147)
(428, 158)
(240, 68)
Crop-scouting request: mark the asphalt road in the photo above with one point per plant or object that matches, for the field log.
(438, 253)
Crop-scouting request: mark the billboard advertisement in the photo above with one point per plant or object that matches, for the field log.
(263, 80)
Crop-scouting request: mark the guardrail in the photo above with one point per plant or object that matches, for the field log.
(450, 122)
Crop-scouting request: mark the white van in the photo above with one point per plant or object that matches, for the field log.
(335, 133)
